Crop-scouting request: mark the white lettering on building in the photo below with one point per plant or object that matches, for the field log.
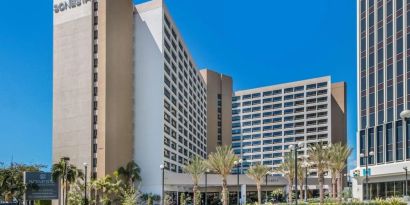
(68, 4)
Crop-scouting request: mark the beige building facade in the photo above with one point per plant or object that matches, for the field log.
(219, 109)
(93, 84)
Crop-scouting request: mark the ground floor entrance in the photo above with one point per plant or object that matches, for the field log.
(385, 189)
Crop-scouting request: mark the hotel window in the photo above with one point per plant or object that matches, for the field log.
(362, 146)
(363, 46)
(389, 8)
(380, 144)
(399, 23)
(399, 141)
(399, 45)
(389, 142)
(362, 6)
(362, 25)
(389, 50)
(370, 144)
(379, 14)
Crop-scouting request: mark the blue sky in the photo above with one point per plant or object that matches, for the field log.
(258, 43)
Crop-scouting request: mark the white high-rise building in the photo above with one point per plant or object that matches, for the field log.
(170, 97)
(267, 120)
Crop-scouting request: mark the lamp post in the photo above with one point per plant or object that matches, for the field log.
(65, 159)
(406, 190)
(371, 153)
(405, 115)
(295, 148)
(238, 164)
(163, 181)
(85, 183)
(306, 166)
(266, 186)
(206, 186)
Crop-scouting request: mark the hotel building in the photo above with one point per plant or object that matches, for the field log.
(267, 120)
(170, 93)
(383, 138)
(126, 88)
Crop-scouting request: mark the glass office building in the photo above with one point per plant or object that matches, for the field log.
(383, 138)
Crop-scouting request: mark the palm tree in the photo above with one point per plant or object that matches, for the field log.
(108, 188)
(66, 173)
(258, 173)
(340, 154)
(332, 169)
(287, 169)
(301, 179)
(319, 155)
(130, 173)
(196, 169)
(222, 162)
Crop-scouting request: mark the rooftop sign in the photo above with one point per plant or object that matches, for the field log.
(68, 4)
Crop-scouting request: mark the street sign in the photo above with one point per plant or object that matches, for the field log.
(40, 186)
(369, 173)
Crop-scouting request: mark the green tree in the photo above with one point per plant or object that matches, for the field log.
(196, 168)
(338, 162)
(319, 156)
(287, 169)
(67, 174)
(108, 189)
(12, 185)
(222, 162)
(75, 195)
(182, 199)
(130, 173)
(130, 197)
(258, 173)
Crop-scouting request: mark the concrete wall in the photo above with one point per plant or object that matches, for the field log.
(149, 95)
(115, 85)
(72, 84)
(218, 84)
(339, 112)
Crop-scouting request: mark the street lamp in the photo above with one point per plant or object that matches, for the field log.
(370, 154)
(206, 186)
(306, 166)
(295, 148)
(85, 183)
(405, 169)
(266, 185)
(238, 164)
(163, 180)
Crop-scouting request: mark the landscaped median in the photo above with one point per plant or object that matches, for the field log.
(389, 201)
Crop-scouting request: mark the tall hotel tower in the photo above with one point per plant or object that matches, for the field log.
(383, 138)
(267, 120)
(125, 88)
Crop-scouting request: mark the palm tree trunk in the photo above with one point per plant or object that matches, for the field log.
(195, 189)
(321, 194)
(63, 192)
(225, 199)
(290, 192)
(301, 191)
(334, 189)
(258, 187)
(340, 187)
